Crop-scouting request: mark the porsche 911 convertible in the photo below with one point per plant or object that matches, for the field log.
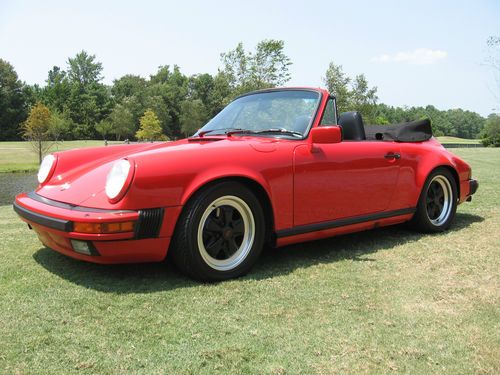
(274, 167)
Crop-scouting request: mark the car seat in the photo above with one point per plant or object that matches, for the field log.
(352, 126)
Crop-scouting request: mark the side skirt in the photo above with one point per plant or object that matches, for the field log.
(302, 229)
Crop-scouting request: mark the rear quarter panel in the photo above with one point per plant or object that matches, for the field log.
(418, 160)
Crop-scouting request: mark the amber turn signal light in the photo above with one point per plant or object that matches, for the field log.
(125, 226)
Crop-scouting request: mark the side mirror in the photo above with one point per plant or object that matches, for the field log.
(326, 134)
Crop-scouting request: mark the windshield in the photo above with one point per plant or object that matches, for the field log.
(289, 111)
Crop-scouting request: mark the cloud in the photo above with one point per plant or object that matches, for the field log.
(419, 56)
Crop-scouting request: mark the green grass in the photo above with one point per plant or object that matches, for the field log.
(384, 301)
(446, 139)
(20, 156)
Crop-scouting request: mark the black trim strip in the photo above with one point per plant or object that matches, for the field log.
(68, 206)
(46, 221)
(341, 222)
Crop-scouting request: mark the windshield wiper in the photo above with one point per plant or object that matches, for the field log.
(230, 131)
(225, 131)
(265, 131)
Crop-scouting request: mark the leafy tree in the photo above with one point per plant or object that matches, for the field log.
(150, 128)
(36, 129)
(220, 96)
(13, 102)
(129, 86)
(89, 100)
(122, 122)
(491, 131)
(169, 88)
(84, 70)
(266, 67)
(338, 83)
(104, 128)
(193, 116)
(352, 94)
(60, 125)
(55, 94)
(363, 98)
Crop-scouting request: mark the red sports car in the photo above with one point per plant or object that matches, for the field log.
(275, 166)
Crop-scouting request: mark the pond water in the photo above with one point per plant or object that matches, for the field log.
(12, 184)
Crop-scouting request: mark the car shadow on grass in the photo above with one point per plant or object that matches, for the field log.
(155, 277)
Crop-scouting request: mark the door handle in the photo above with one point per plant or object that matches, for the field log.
(392, 156)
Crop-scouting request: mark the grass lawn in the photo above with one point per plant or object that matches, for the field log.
(20, 156)
(384, 301)
(445, 139)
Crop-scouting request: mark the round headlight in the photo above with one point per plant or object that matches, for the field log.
(46, 168)
(118, 180)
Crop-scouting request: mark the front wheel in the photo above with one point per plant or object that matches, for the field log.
(220, 233)
(437, 204)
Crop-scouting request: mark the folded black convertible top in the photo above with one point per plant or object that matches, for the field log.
(415, 131)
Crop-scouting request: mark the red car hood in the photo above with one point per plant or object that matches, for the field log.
(80, 175)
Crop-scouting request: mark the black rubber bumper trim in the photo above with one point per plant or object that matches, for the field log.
(46, 221)
(473, 185)
(302, 229)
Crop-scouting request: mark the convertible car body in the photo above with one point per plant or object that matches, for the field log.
(276, 166)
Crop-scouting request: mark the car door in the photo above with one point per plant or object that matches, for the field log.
(341, 180)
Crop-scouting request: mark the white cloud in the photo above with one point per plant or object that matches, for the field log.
(419, 56)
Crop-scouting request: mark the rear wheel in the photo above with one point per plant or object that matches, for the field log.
(437, 204)
(219, 234)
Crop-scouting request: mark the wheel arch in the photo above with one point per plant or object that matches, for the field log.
(448, 167)
(254, 186)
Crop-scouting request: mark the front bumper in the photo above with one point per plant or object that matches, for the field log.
(53, 223)
(473, 186)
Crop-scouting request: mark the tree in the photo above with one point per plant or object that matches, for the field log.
(150, 128)
(84, 70)
(129, 86)
(89, 100)
(104, 128)
(363, 98)
(491, 131)
(338, 83)
(60, 125)
(352, 94)
(122, 122)
(193, 116)
(266, 67)
(37, 129)
(169, 89)
(57, 91)
(13, 102)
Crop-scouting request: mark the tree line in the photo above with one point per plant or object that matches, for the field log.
(74, 103)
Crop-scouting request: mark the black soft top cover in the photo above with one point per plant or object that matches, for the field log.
(415, 131)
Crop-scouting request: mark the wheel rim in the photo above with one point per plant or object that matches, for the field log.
(439, 200)
(226, 233)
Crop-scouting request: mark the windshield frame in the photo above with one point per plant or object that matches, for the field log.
(277, 135)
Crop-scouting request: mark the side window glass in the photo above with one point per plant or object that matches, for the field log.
(329, 117)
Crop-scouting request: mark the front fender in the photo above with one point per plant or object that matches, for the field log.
(224, 172)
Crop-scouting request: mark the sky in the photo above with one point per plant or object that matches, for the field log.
(416, 52)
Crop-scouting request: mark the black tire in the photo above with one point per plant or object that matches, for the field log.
(219, 234)
(437, 203)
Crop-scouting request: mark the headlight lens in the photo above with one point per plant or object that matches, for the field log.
(46, 168)
(118, 179)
